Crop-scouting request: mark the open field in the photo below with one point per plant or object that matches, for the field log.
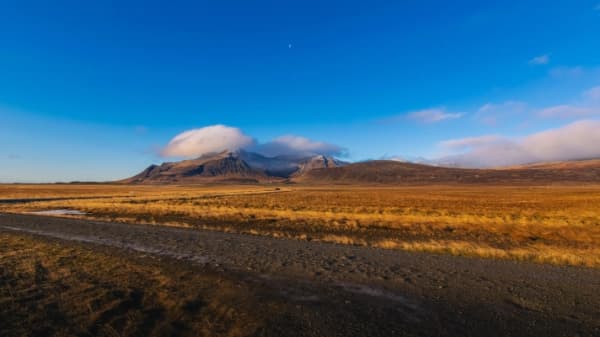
(63, 277)
(49, 289)
(549, 224)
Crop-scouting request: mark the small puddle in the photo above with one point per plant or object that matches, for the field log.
(58, 212)
(409, 308)
(376, 292)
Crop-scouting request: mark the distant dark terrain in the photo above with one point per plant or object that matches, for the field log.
(237, 166)
(247, 167)
(390, 172)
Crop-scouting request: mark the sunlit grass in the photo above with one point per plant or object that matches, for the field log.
(556, 224)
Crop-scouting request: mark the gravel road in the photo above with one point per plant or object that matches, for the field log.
(388, 292)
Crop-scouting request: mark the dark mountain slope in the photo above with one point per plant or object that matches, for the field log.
(237, 166)
(392, 172)
(220, 167)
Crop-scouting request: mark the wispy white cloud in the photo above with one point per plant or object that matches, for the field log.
(567, 111)
(396, 158)
(580, 108)
(140, 129)
(469, 142)
(584, 106)
(433, 115)
(567, 72)
(540, 60)
(578, 140)
(493, 113)
(593, 93)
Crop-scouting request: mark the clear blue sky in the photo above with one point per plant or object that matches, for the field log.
(95, 91)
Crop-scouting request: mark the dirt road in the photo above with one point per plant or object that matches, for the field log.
(359, 291)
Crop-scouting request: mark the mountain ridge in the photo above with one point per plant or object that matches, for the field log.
(395, 172)
(236, 166)
(250, 167)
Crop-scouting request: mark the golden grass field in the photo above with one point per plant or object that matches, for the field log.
(546, 224)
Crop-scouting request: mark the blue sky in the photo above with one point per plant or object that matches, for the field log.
(97, 91)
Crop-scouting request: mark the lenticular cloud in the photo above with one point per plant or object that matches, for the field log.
(210, 139)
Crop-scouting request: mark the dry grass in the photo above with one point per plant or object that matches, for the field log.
(25, 191)
(49, 289)
(556, 224)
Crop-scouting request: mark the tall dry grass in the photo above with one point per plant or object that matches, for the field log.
(556, 224)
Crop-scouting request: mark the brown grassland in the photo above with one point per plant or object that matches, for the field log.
(57, 289)
(547, 224)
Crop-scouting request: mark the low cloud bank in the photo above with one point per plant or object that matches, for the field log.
(217, 138)
(297, 146)
(578, 140)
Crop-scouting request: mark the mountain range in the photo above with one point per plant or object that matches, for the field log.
(249, 167)
(234, 166)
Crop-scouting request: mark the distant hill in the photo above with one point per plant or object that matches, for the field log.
(317, 162)
(560, 165)
(394, 172)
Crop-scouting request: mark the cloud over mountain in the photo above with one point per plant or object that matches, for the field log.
(209, 139)
(218, 138)
(299, 146)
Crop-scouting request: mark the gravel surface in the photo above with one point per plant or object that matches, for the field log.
(366, 291)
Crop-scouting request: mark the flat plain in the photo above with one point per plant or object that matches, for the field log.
(300, 260)
(547, 224)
